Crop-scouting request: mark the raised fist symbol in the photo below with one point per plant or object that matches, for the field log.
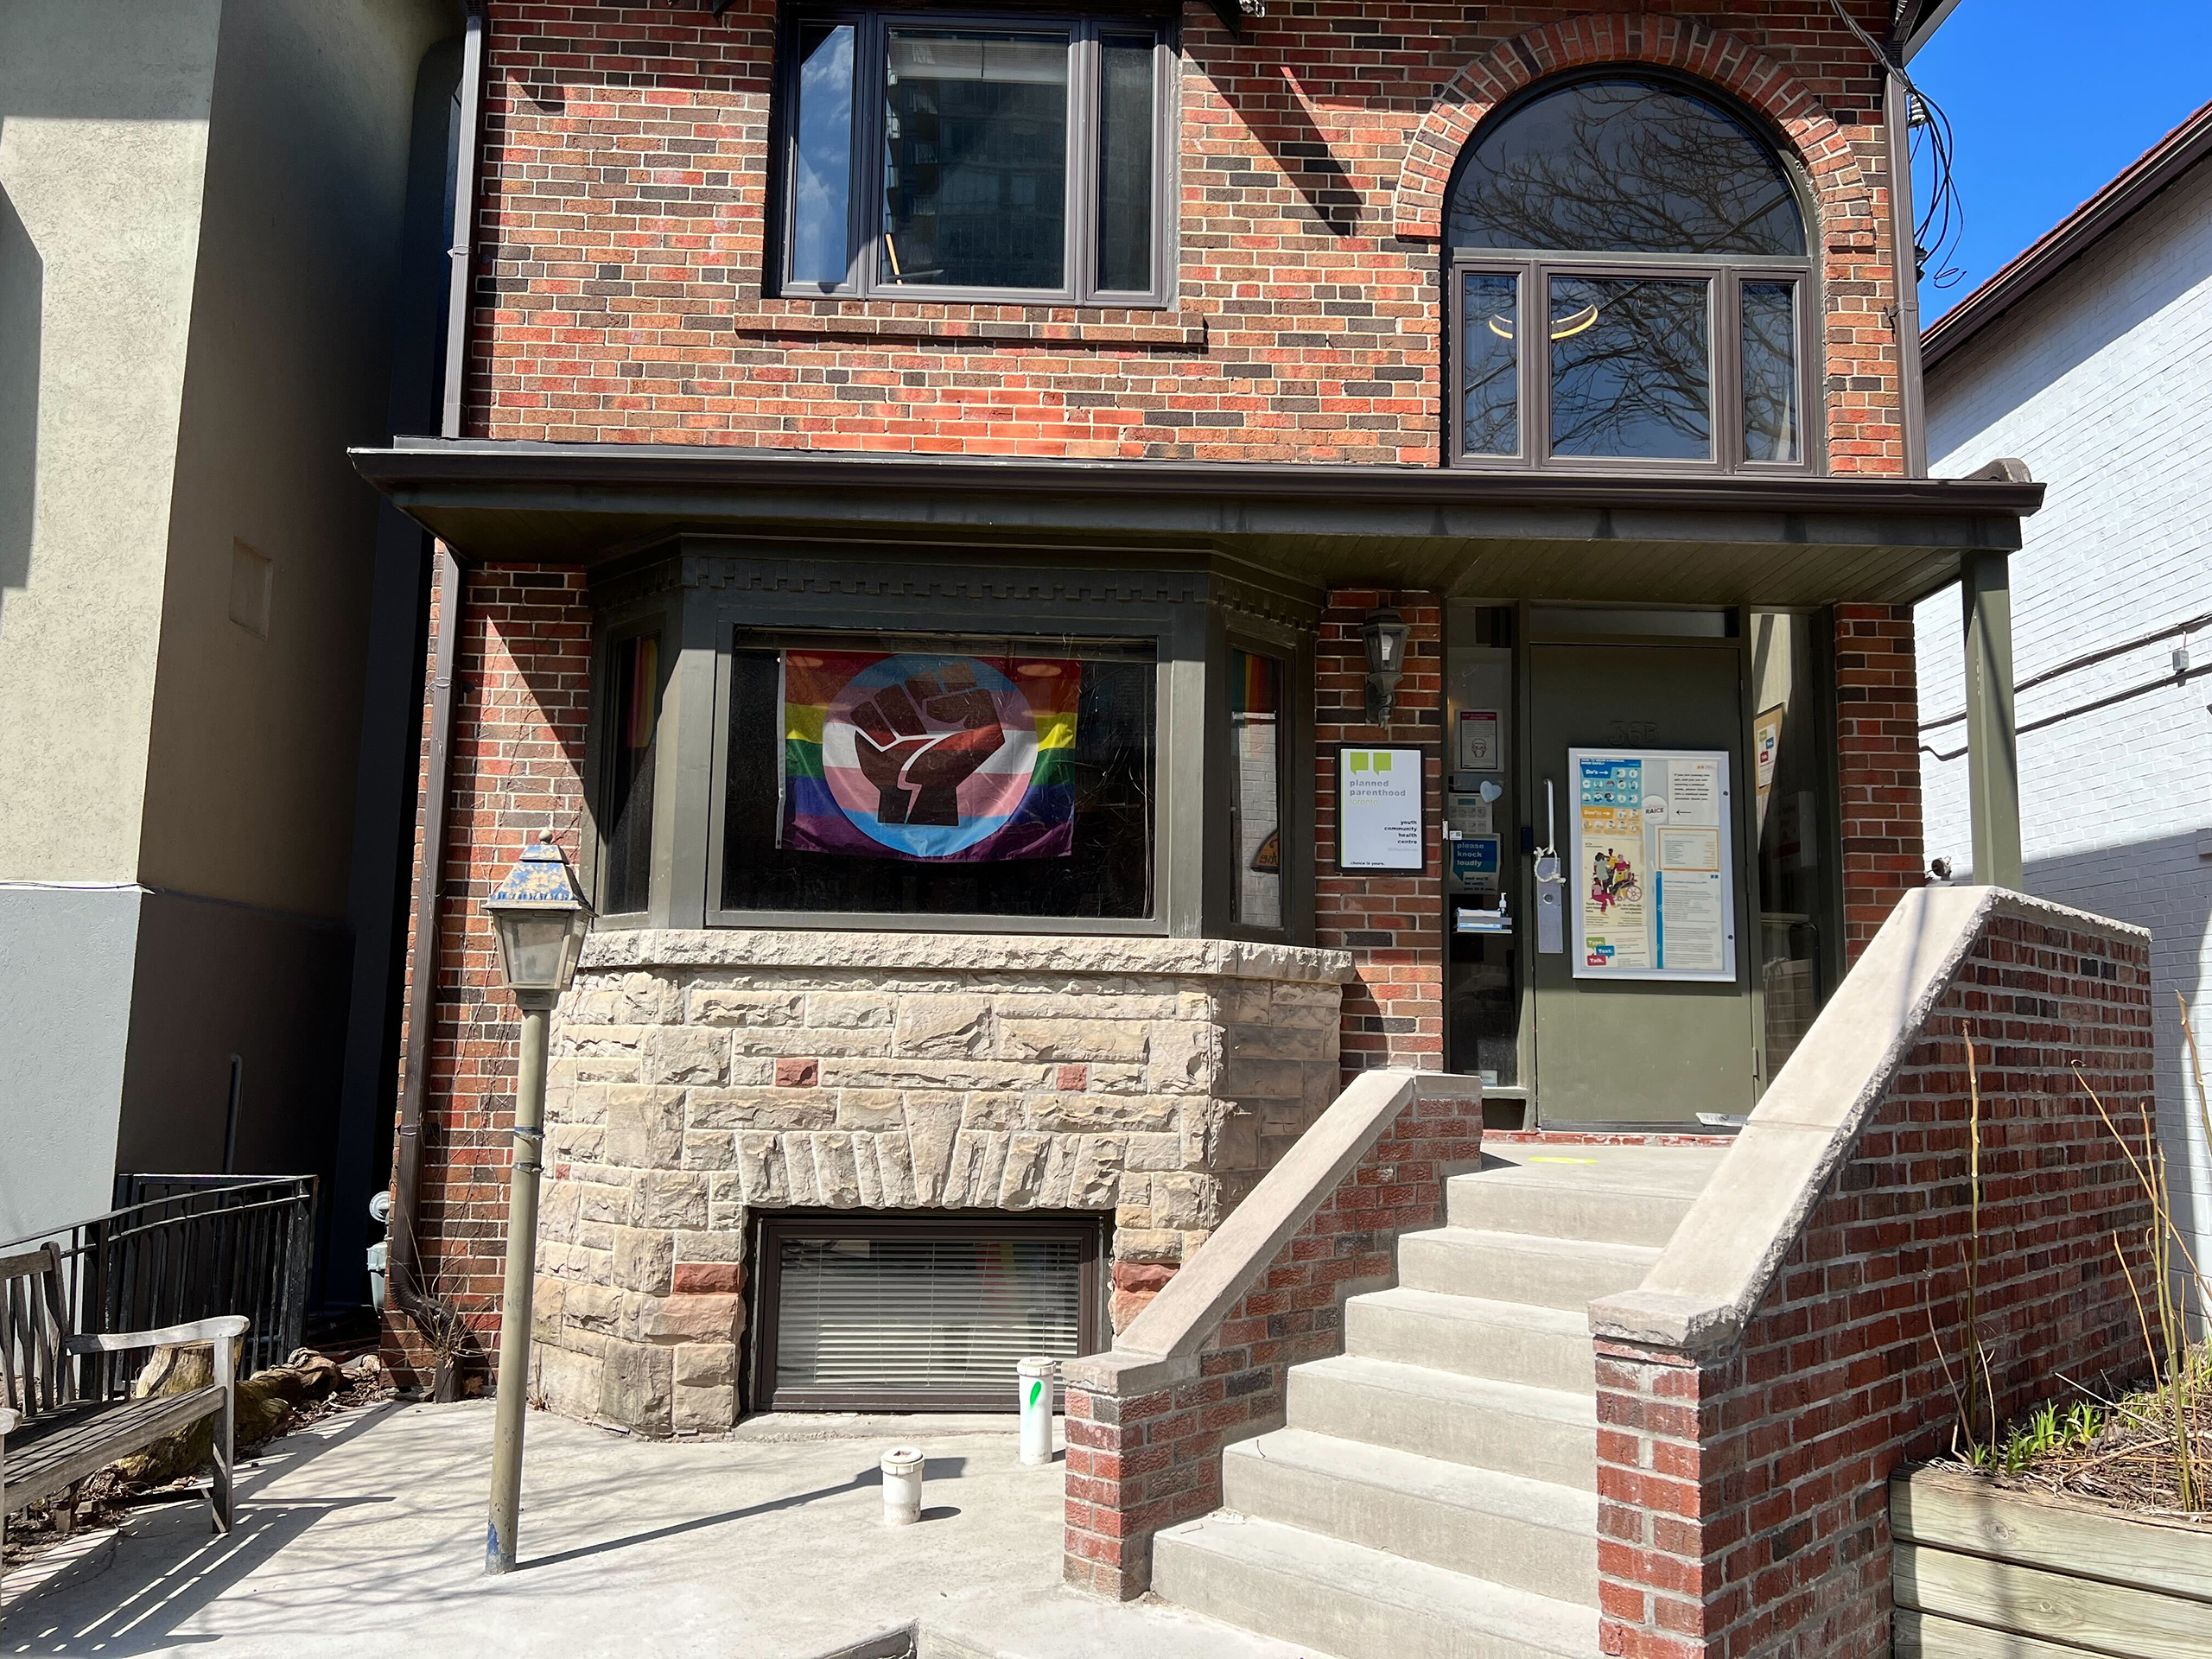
(917, 771)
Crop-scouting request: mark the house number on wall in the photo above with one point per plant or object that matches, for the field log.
(1636, 731)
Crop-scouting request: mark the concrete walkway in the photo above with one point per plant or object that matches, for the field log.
(364, 1535)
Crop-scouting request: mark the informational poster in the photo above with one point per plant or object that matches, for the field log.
(1470, 815)
(1650, 876)
(1378, 810)
(1766, 745)
(1478, 741)
(1474, 864)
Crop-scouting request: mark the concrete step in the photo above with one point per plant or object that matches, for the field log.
(1527, 1535)
(1549, 1434)
(1349, 1602)
(1062, 1624)
(1562, 1273)
(1620, 1195)
(1505, 1342)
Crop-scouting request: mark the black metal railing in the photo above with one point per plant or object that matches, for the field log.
(178, 1247)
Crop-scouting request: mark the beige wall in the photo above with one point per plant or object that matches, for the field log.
(104, 113)
(250, 787)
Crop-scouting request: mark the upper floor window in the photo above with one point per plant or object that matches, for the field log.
(1630, 286)
(956, 157)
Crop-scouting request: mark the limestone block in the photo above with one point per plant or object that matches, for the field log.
(645, 1126)
(579, 1143)
(1071, 1039)
(603, 1201)
(1059, 1168)
(1136, 1001)
(963, 1183)
(1153, 1152)
(685, 1054)
(1023, 1182)
(991, 1111)
(700, 1316)
(635, 1384)
(1323, 1083)
(617, 1065)
(809, 1042)
(936, 1075)
(547, 1297)
(1185, 1199)
(1183, 1058)
(845, 1010)
(799, 1169)
(644, 1260)
(1254, 1080)
(670, 1198)
(864, 1171)
(557, 1213)
(710, 1150)
(752, 1071)
(706, 1365)
(1106, 1079)
(575, 1102)
(836, 1186)
(596, 1235)
(943, 1026)
(1096, 1180)
(701, 1408)
(1147, 1244)
(875, 1110)
(932, 1126)
(593, 1307)
(1313, 1007)
(568, 1382)
(1084, 1114)
(717, 1005)
(894, 1170)
(1133, 1203)
(762, 1108)
(760, 1170)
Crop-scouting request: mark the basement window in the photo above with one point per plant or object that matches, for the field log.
(958, 160)
(881, 1313)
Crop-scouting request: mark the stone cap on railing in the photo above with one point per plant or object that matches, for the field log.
(614, 948)
(1717, 1267)
(1162, 1345)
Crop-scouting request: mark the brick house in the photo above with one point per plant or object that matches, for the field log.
(1049, 576)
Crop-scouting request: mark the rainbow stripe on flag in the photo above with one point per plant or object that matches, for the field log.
(918, 756)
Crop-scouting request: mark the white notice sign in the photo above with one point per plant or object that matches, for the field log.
(1378, 810)
(1649, 877)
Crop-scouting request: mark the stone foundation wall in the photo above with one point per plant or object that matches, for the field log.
(699, 1077)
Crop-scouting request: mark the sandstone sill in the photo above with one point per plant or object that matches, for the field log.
(730, 947)
(1082, 325)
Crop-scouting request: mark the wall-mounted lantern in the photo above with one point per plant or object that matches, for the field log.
(1384, 632)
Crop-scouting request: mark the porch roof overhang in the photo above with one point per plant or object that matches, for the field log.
(1682, 540)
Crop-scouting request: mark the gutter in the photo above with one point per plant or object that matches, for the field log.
(407, 1289)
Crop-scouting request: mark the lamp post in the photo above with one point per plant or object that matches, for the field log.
(541, 920)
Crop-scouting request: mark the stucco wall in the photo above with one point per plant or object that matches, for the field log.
(2096, 383)
(104, 109)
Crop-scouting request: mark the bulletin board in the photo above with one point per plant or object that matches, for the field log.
(1651, 874)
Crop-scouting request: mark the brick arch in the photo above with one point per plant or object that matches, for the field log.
(1727, 60)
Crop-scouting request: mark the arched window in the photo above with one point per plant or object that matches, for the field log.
(1630, 286)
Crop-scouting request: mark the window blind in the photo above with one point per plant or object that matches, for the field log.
(942, 1315)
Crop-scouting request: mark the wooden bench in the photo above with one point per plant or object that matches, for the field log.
(53, 1435)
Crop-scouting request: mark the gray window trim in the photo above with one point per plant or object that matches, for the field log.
(871, 26)
(1295, 652)
(613, 627)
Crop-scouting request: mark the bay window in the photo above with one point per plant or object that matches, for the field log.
(951, 156)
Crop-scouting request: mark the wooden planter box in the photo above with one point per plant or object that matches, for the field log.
(1981, 1572)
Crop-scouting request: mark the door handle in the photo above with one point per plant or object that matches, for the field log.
(1551, 885)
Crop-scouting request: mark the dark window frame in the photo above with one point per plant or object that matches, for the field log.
(1091, 1231)
(871, 25)
(1724, 275)
(1294, 779)
(613, 630)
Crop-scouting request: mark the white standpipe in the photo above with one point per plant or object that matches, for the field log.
(902, 1486)
(1034, 1379)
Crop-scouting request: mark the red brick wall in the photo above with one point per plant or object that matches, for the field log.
(622, 239)
(520, 703)
(1139, 1462)
(1877, 765)
(1744, 1507)
(1392, 924)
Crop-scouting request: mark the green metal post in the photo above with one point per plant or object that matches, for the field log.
(515, 1300)
(1993, 747)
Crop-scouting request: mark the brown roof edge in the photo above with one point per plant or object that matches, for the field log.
(2072, 237)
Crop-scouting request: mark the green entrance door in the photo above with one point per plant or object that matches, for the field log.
(1642, 1051)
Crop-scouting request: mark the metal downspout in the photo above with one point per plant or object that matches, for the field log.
(421, 988)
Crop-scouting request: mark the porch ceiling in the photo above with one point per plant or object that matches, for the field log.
(1678, 540)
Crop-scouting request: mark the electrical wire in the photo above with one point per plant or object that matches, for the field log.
(1943, 220)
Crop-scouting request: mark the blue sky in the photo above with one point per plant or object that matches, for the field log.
(2048, 99)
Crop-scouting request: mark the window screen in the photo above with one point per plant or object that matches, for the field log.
(940, 776)
(906, 1315)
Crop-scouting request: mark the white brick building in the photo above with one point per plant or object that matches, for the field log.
(2090, 359)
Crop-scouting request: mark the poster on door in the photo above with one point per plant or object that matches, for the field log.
(1650, 873)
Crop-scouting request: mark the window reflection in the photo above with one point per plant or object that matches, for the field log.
(1490, 372)
(975, 159)
(1256, 735)
(1769, 313)
(1626, 166)
(1125, 146)
(1631, 368)
(1794, 877)
(822, 166)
